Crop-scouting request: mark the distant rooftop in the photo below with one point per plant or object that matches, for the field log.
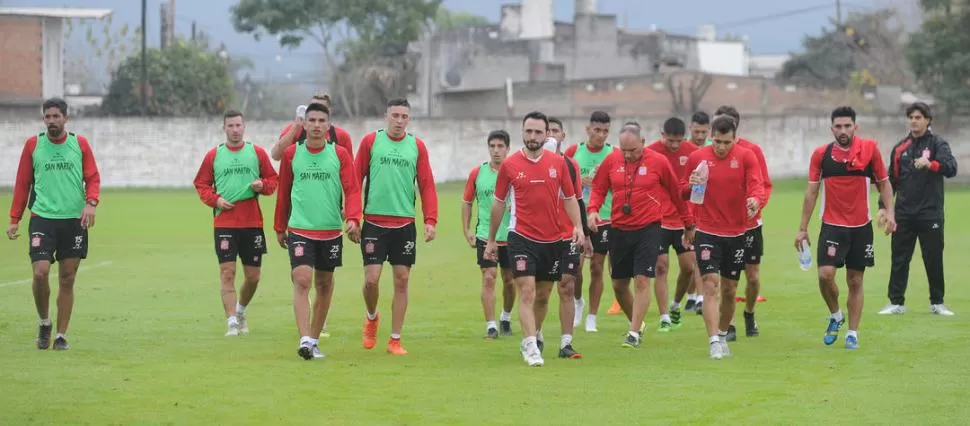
(55, 12)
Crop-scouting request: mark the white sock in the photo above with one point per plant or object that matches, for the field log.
(692, 297)
(665, 318)
(852, 333)
(313, 342)
(700, 299)
(590, 317)
(240, 309)
(722, 335)
(61, 335)
(539, 335)
(506, 316)
(305, 340)
(396, 336)
(715, 339)
(490, 325)
(675, 306)
(565, 340)
(371, 316)
(837, 316)
(45, 321)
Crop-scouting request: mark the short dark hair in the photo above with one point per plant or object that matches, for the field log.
(58, 103)
(729, 110)
(318, 107)
(500, 135)
(843, 111)
(536, 115)
(700, 117)
(724, 124)
(922, 107)
(674, 127)
(557, 121)
(399, 102)
(600, 117)
(230, 114)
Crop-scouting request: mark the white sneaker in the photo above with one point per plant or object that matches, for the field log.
(531, 355)
(725, 350)
(316, 353)
(233, 327)
(716, 350)
(591, 324)
(941, 309)
(891, 309)
(578, 316)
(243, 324)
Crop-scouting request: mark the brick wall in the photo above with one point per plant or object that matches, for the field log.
(21, 66)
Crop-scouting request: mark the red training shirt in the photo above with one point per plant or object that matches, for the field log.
(845, 195)
(425, 178)
(678, 161)
(646, 184)
(564, 222)
(24, 183)
(537, 189)
(731, 181)
(343, 138)
(348, 180)
(765, 179)
(245, 213)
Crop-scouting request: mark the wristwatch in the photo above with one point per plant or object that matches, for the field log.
(93, 203)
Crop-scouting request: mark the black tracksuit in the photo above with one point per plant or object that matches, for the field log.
(919, 211)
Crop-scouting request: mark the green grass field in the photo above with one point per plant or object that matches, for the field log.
(148, 346)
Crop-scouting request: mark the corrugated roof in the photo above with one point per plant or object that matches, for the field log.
(56, 12)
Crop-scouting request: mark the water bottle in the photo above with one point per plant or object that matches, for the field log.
(301, 111)
(697, 190)
(805, 256)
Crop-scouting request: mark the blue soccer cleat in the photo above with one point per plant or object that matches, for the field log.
(832, 332)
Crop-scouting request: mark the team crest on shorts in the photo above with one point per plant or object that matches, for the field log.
(831, 251)
(224, 245)
(298, 250)
(552, 173)
(705, 254)
(35, 242)
(369, 247)
(520, 264)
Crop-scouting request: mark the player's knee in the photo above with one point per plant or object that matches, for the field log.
(323, 282)
(227, 271)
(252, 277)
(826, 273)
(567, 287)
(66, 278)
(596, 267)
(41, 271)
(302, 277)
(642, 282)
(663, 266)
(854, 280)
(489, 276)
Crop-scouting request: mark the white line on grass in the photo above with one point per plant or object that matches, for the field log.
(81, 269)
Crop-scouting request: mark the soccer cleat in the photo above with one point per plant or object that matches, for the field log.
(675, 318)
(716, 350)
(732, 334)
(591, 324)
(569, 353)
(632, 340)
(316, 353)
(491, 334)
(725, 350)
(832, 332)
(851, 342)
(233, 327)
(892, 309)
(665, 327)
(505, 328)
(243, 324)
(615, 309)
(305, 351)
(941, 309)
(699, 308)
(370, 331)
(532, 357)
(60, 344)
(540, 344)
(691, 304)
(394, 347)
(44, 337)
(578, 316)
(750, 325)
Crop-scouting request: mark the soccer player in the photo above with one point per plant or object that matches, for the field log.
(732, 197)
(391, 160)
(295, 131)
(846, 167)
(315, 179)
(539, 184)
(479, 189)
(753, 237)
(700, 129)
(58, 180)
(638, 178)
(672, 146)
(589, 155)
(917, 166)
(230, 180)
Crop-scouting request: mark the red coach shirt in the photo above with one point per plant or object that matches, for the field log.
(765, 179)
(845, 174)
(732, 180)
(567, 225)
(535, 188)
(678, 161)
(646, 184)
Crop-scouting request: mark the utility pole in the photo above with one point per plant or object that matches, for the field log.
(144, 57)
(838, 12)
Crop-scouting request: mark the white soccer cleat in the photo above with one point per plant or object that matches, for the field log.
(243, 324)
(891, 309)
(233, 329)
(725, 350)
(316, 353)
(716, 350)
(578, 316)
(591, 324)
(941, 309)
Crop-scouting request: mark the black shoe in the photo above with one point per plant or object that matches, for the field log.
(675, 317)
(305, 352)
(691, 304)
(44, 337)
(492, 334)
(569, 353)
(750, 326)
(505, 328)
(732, 334)
(699, 308)
(60, 344)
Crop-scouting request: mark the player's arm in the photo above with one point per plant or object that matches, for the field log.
(570, 151)
(362, 159)
(945, 163)
(287, 138)
(891, 172)
(344, 140)
(466, 202)
(23, 182)
(267, 174)
(282, 214)
(811, 190)
(353, 209)
(89, 168)
(577, 183)
(765, 178)
(425, 178)
(502, 183)
(753, 185)
(205, 180)
(881, 175)
(692, 161)
(569, 193)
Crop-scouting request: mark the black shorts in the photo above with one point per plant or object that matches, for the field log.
(322, 255)
(534, 259)
(503, 256)
(840, 246)
(719, 255)
(571, 255)
(394, 245)
(249, 244)
(54, 240)
(634, 252)
(672, 238)
(601, 239)
(754, 246)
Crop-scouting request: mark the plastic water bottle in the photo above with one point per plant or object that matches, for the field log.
(697, 190)
(301, 111)
(805, 256)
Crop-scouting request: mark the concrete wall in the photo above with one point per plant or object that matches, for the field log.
(167, 153)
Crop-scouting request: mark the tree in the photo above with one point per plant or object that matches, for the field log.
(99, 52)
(364, 41)
(450, 20)
(183, 80)
(871, 42)
(687, 90)
(939, 57)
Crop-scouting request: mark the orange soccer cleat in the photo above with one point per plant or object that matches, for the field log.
(370, 331)
(394, 347)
